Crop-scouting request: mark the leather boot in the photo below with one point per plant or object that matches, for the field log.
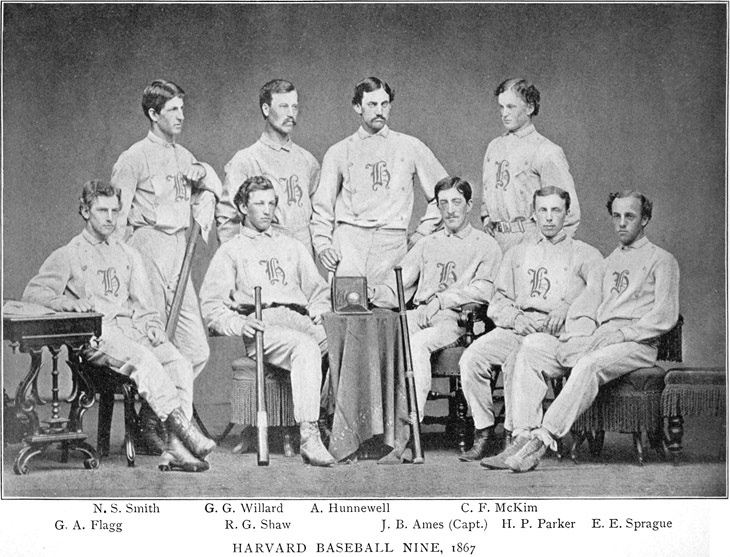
(177, 457)
(151, 436)
(480, 448)
(187, 432)
(311, 448)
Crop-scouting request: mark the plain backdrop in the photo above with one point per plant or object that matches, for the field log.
(635, 95)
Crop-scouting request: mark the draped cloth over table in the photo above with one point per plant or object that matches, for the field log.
(367, 381)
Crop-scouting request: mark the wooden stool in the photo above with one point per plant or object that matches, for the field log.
(279, 403)
(691, 392)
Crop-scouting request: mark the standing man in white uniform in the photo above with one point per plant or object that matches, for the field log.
(517, 164)
(293, 171)
(161, 184)
(364, 202)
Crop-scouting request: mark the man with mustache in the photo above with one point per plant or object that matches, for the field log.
(363, 205)
(162, 184)
(537, 282)
(293, 171)
(294, 297)
(454, 266)
(517, 164)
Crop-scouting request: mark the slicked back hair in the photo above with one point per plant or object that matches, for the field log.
(368, 85)
(523, 88)
(252, 184)
(157, 93)
(552, 190)
(646, 205)
(274, 87)
(93, 189)
(462, 186)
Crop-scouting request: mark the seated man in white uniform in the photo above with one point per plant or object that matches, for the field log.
(611, 330)
(447, 269)
(294, 297)
(537, 281)
(95, 272)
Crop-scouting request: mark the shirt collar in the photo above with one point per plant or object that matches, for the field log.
(636, 245)
(276, 146)
(89, 237)
(524, 132)
(251, 233)
(154, 138)
(559, 237)
(362, 134)
(461, 234)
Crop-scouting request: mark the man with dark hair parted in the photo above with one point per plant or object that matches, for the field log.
(294, 296)
(537, 281)
(96, 272)
(517, 164)
(293, 171)
(612, 328)
(364, 202)
(162, 184)
(454, 266)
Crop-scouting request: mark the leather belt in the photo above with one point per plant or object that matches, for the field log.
(517, 225)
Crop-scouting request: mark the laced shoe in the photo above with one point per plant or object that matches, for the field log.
(497, 462)
(311, 448)
(528, 457)
(480, 448)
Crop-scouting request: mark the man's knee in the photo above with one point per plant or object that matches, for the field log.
(472, 365)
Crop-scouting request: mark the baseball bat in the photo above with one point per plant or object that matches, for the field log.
(413, 417)
(177, 300)
(262, 419)
(182, 282)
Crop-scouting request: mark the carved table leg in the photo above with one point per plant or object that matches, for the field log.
(26, 400)
(20, 466)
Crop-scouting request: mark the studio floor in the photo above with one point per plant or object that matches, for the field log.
(702, 472)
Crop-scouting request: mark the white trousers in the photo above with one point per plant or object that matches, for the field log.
(424, 342)
(163, 256)
(369, 252)
(164, 378)
(542, 357)
(293, 342)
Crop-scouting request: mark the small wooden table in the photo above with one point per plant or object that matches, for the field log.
(30, 335)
